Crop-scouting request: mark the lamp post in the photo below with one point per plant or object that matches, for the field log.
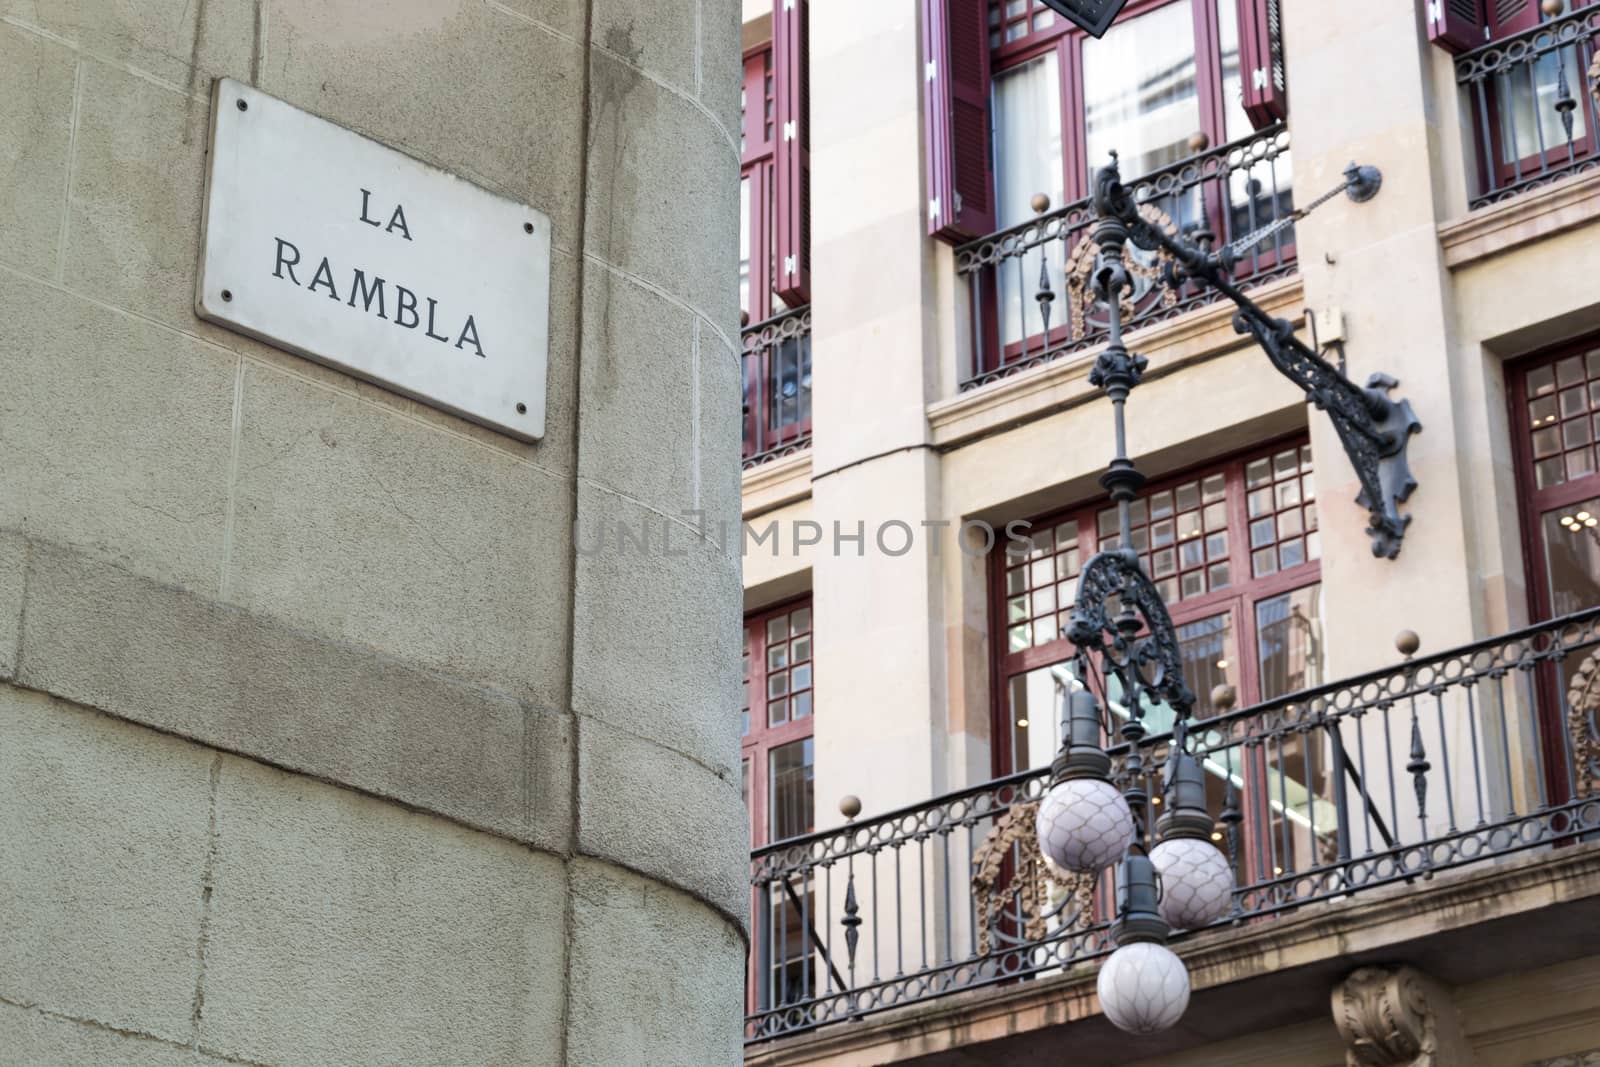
(1171, 874)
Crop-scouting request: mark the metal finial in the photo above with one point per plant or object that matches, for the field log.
(850, 806)
(1552, 8)
(1041, 203)
(1223, 697)
(1407, 642)
(1198, 142)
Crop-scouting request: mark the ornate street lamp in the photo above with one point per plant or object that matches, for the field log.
(1121, 629)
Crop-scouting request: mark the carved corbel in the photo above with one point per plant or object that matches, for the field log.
(1397, 1017)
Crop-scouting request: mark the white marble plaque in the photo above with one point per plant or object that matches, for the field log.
(328, 244)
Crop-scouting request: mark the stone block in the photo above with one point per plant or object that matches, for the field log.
(347, 930)
(103, 835)
(721, 433)
(133, 235)
(679, 690)
(641, 803)
(457, 83)
(181, 42)
(721, 59)
(39, 1040)
(355, 522)
(660, 38)
(656, 977)
(561, 17)
(117, 434)
(637, 424)
(112, 640)
(36, 88)
(13, 581)
(660, 176)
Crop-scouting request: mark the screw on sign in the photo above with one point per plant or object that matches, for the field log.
(1094, 16)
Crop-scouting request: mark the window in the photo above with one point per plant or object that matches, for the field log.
(1555, 426)
(775, 165)
(758, 137)
(1160, 76)
(1165, 83)
(1556, 417)
(775, 240)
(777, 775)
(1527, 105)
(1235, 551)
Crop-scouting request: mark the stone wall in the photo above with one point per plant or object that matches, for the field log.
(320, 742)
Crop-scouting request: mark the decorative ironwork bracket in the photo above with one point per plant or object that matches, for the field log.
(1374, 428)
(1138, 640)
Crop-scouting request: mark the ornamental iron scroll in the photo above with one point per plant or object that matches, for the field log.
(1137, 634)
(1374, 429)
(1011, 880)
(1583, 701)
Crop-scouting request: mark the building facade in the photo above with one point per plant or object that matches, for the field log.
(1408, 824)
(322, 738)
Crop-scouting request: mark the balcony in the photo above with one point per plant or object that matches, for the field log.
(776, 365)
(1219, 196)
(1532, 102)
(1454, 761)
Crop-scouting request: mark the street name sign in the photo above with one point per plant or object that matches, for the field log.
(326, 243)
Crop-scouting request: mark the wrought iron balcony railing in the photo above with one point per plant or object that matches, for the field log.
(1533, 103)
(777, 387)
(1014, 277)
(1442, 762)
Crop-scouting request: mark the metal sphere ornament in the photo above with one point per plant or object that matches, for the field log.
(1197, 882)
(1084, 823)
(1196, 878)
(1144, 988)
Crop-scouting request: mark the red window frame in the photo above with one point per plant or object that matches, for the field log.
(1462, 25)
(761, 738)
(1066, 40)
(758, 141)
(1534, 501)
(1238, 600)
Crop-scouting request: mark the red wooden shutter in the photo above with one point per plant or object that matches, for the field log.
(1455, 25)
(792, 73)
(1266, 84)
(955, 53)
(1511, 16)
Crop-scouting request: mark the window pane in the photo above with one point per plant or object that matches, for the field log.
(1289, 641)
(791, 808)
(1210, 658)
(1139, 90)
(1236, 123)
(1027, 132)
(1572, 556)
(1531, 121)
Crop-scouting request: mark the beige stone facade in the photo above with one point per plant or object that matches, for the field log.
(319, 742)
(1445, 296)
